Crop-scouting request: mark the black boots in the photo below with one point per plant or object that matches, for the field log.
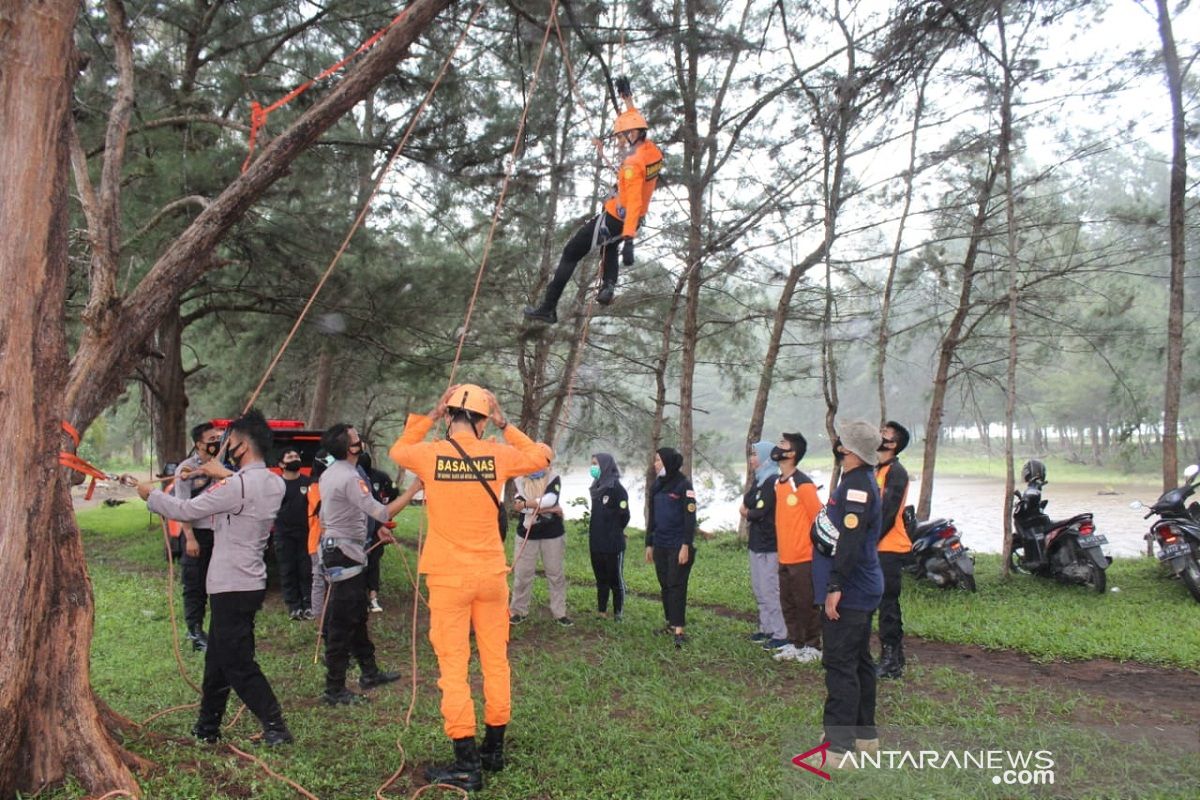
(275, 731)
(891, 662)
(341, 696)
(466, 771)
(491, 752)
(377, 677)
(607, 292)
(542, 313)
(197, 638)
(207, 729)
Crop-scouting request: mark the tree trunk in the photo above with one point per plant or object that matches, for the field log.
(318, 417)
(950, 342)
(1010, 219)
(1174, 381)
(168, 392)
(51, 725)
(660, 385)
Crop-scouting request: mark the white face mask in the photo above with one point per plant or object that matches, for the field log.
(662, 472)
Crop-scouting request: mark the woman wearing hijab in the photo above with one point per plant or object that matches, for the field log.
(670, 533)
(541, 528)
(758, 509)
(606, 533)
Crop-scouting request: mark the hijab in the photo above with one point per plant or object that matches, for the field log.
(672, 461)
(610, 475)
(766, 467)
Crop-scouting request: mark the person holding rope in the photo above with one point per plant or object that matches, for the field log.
(464, 564)
(197, 539)
(623, 211)
(346, 506)
(243, 505)
(540, 534)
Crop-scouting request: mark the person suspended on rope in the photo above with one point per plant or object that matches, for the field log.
(464, 564)
(243, 505)
(623, 212)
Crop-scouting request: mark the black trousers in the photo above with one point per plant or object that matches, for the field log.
(372, 571)
(673, 579)
(229, 661)
(346, 631)
(194, 576)
(609, 569)
(849, 679)
(578, 246)
(891, 625)
(295, 568)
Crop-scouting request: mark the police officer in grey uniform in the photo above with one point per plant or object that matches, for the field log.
(244, 505)
(197, 538)
(346, 505)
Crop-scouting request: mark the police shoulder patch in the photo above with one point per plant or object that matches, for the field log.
(363, 486)
(856, 496)
(218, 485)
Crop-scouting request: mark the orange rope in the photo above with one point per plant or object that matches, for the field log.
(166, 711)
(362, 215)
(273, 773)
(512, 165)
(171, 606)
(117, 793)
(259, 114)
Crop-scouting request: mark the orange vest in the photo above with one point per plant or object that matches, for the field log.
(314, 519)
(894, 540)
(636, 179)
(464, 538)
(795, 509)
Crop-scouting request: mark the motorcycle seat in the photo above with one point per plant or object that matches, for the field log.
(1053, 526)
(929, 525)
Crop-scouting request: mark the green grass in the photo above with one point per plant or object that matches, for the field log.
(611, 711)
(975, 462)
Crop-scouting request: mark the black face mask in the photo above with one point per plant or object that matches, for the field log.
(779, 454)
(837, 454)
(235, 459)
(212, 448)
(291, 466)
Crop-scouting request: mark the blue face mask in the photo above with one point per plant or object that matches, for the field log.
(541, 473)
(594, 471)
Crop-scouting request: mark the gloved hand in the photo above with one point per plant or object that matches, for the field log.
(623, 87)
(627, 253)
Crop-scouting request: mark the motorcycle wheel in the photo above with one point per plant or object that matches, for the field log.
(1191, 578)
(1098, 580)
(966, 581)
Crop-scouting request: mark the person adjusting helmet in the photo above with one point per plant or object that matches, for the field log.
(464, 564)
(623, 211)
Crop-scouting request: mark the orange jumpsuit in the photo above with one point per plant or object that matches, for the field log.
(636, 179)
(464, 563)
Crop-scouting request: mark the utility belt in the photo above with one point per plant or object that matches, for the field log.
(337, 565)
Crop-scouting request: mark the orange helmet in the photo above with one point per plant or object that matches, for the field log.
(546, 450)
(630, 120)
(470, 397)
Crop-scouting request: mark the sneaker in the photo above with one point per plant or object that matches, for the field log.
(199, 640)
(759, 637)
(565, 622)
(369, 680)
(308, 614)
(540, 314)
(296, 614)
(517, 619)
(807, 655)
(680, 641)
(374, 607)
(771, 645)
(789, 652)
(618, 617)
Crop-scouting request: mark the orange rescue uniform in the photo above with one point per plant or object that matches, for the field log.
(895, 539)
(796, 506)
(314, 518)
(464, 563)
(636, 179)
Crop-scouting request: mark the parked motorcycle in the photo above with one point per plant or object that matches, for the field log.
(1177, 531)
(939, 555)
(1067, 550)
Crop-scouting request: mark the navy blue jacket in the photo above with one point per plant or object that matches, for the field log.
(855, 509)
(610, 515)
(760, 516)
(672, 513)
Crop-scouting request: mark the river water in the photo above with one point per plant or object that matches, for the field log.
(975, 504)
